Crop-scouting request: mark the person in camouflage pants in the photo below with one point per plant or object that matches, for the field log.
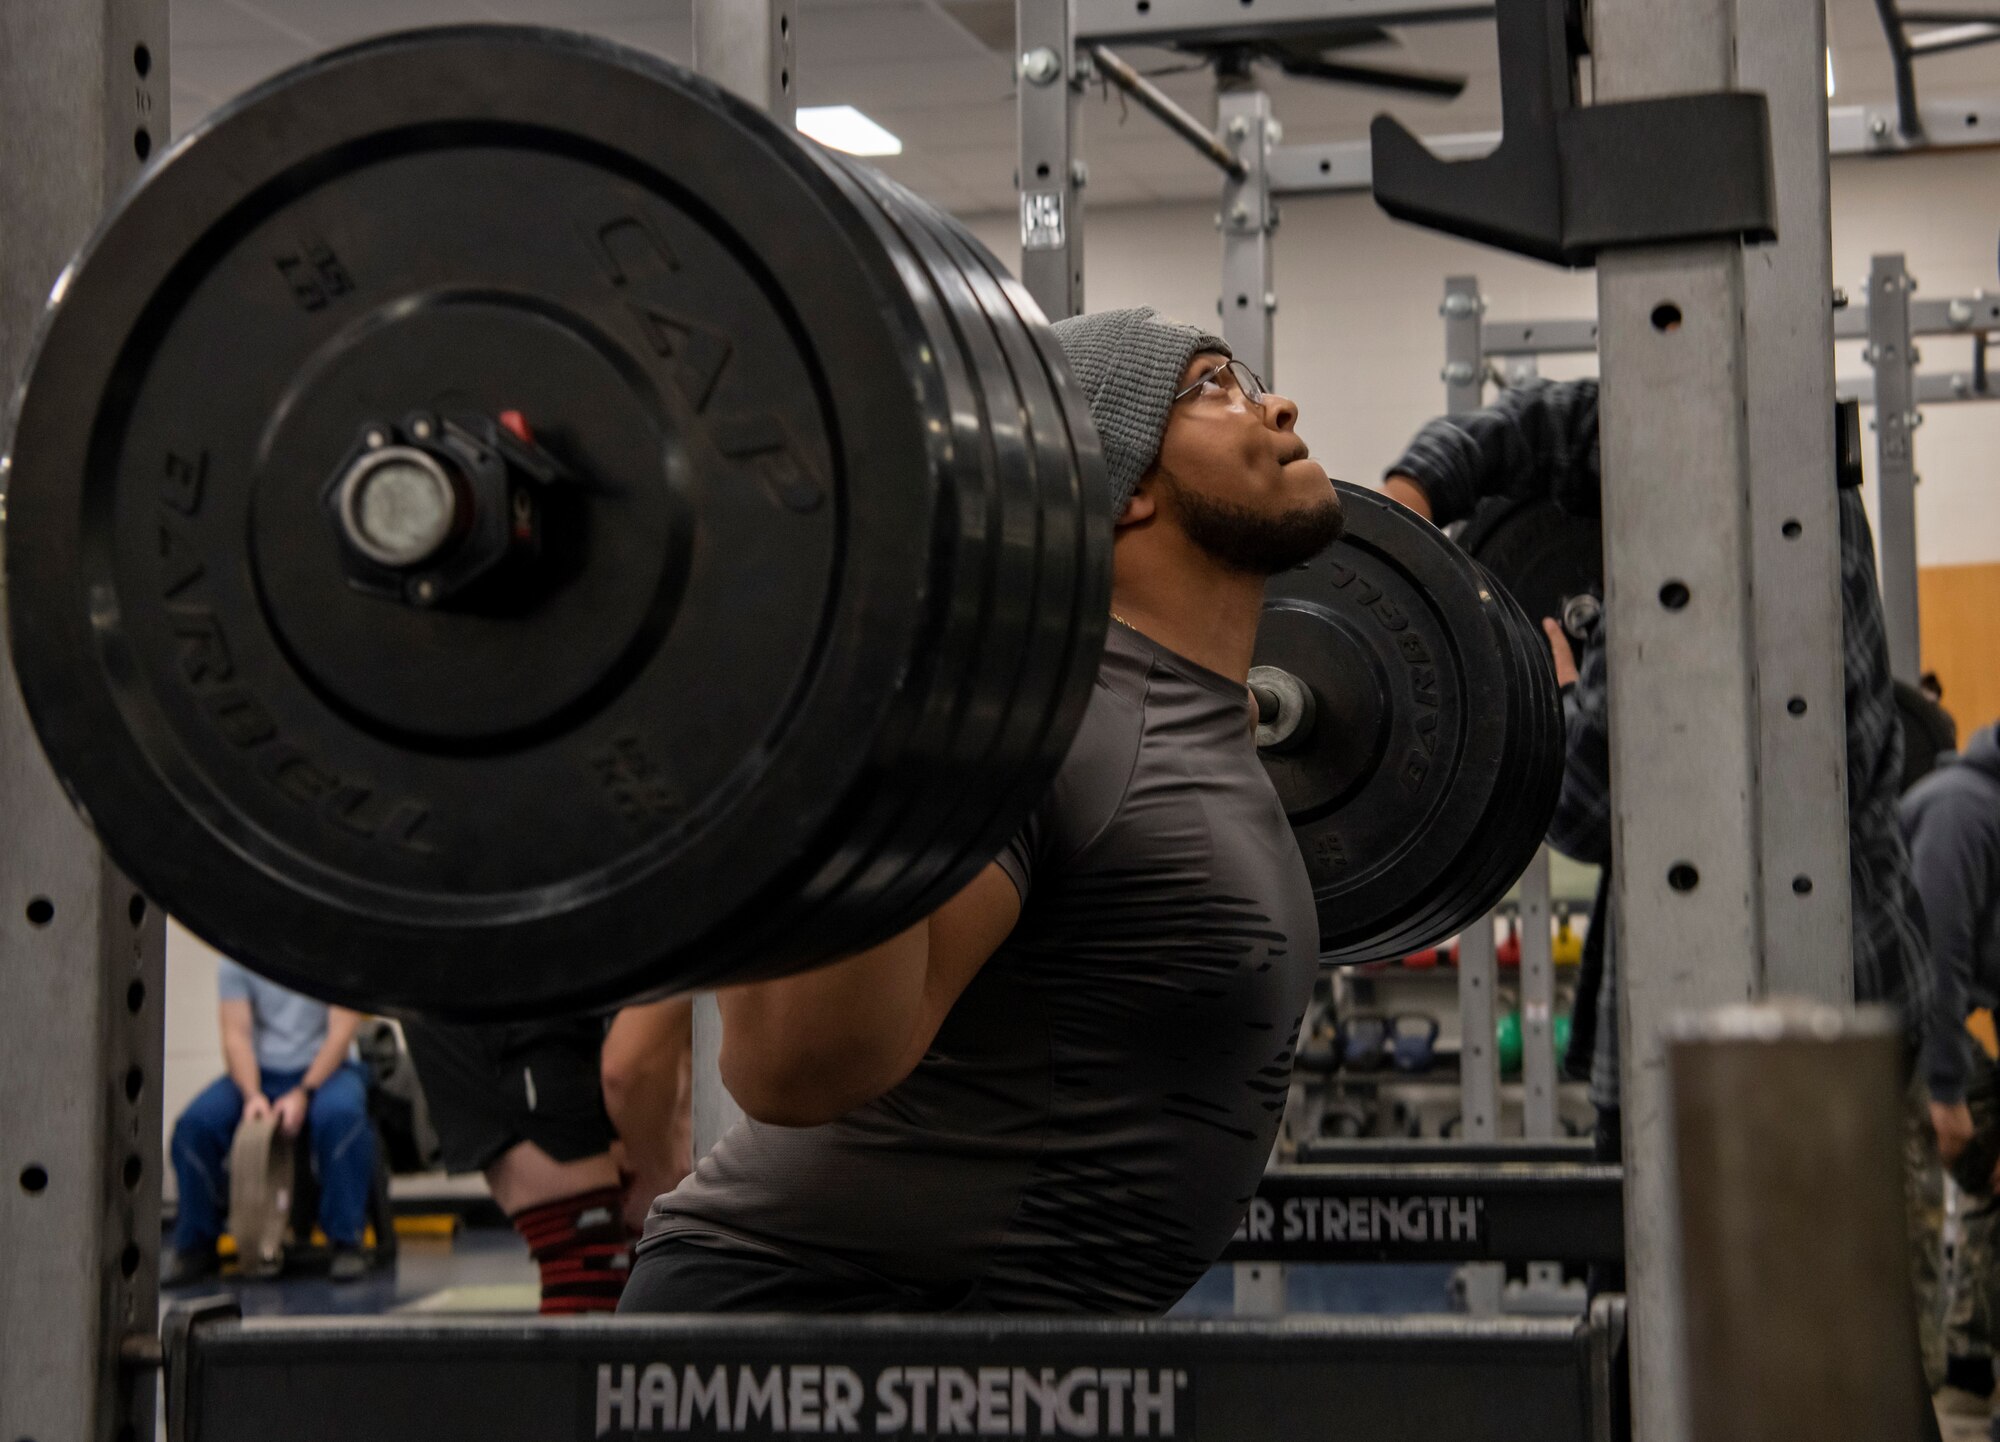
(1923, 1184)
(1972, 1293)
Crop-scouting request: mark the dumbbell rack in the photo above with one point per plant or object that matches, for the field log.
(1466, 1062)
(1431, 1097)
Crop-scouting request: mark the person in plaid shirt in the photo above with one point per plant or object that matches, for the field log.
(1541, 440)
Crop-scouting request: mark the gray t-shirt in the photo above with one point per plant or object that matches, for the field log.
(288, 1029)
(1090, 1125)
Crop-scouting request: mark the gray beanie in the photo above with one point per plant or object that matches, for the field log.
(1129, 364)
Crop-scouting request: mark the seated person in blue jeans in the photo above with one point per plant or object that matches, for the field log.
(291, 1057)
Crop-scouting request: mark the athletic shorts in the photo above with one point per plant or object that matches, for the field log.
(673, 1275)
(491, 1086)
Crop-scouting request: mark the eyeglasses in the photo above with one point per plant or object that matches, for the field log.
(1246, 381)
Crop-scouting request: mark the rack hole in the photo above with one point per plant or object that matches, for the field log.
(1802, 885)
(1792, 530)
(142, 142)
(41, 911)
(33, 1179)
(1682, 876)
(785, 81)
(1666, 316)
(132, 1172)
(135, 1082)
(128, 1260)
(142, 60)
(1042, 171)
(1797, 705)
(1243, 300)
(136, 909)
(135, 997)
(1674, 595)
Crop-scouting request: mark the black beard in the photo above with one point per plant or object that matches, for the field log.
(1254, 543)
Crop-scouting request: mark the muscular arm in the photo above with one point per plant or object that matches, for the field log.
(1581, 825)
(239, 1047)
(1535, 440)
(341, 1024)
(803, 1050)
(645, 1073)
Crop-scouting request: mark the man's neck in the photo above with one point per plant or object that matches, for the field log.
(1208, 616)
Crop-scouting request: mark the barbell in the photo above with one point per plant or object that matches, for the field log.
(498, 526)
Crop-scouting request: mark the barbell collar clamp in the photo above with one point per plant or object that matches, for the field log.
(1285, 708)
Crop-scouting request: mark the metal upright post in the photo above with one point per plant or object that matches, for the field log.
(1538, 1004)
(1247, 306)
(1794, 521)
(749, 47)
(1893, 354)
(1464, 373)
(1478, 971)
(1249, 301)
(1788, 1138)
(83, 97)
(1479, 1083)
(1051, 177)
(1682, 671)
(1540, 1109)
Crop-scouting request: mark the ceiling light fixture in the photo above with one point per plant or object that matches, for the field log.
(842, 127)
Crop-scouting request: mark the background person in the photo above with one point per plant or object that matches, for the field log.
(1952, 818)
(1540, 440)
(577, 1125)
(289, 1056)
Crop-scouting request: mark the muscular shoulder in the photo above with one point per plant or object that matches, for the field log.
(1097, 773)
(1088, 789)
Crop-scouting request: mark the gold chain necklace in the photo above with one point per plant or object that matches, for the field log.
(1121, 620)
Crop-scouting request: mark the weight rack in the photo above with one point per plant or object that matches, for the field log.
(1888, 320)
(81, 1036)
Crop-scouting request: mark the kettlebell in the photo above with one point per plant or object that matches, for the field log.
(1507, 1041)
(1344, 1121)
(1362, 1042)
(1567, 947)
(1414, 1041)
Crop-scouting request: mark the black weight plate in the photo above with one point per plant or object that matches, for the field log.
(1532, 776)
(956, 683)
(987, 432)
(1405, 650)
(637, 784)
(1543, 555)
(1063, 606)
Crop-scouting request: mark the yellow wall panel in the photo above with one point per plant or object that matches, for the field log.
(1961, 633)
